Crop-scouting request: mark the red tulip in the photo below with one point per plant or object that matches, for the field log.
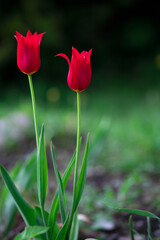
(79, 75)
(28, 52)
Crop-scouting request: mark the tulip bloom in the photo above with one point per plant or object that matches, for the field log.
(79, 75)
(28, 52)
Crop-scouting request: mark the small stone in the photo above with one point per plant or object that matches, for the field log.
(103, 224)
(83, 218)
(157, 233)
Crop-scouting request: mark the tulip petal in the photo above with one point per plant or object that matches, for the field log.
(64, 56)
(29, 34)
(39, 37)
(89, 55)
(75, 52)
(90, 51)
(18, 35)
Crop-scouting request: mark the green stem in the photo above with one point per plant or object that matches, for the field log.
(37, 134)
(77, 148)
(34, 109)
(77, 160)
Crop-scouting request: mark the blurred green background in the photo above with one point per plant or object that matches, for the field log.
(121, 107)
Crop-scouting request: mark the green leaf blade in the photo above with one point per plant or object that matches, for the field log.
(138, 212)
(23, 175)
(149, 228)
(31, 232)
(82, 176)
(55, 204)
(7, 204)
(139, 235)
(74, 228)
(62, 233)
(25, 209)
(131, 228)
(42, 170)
(60, 188)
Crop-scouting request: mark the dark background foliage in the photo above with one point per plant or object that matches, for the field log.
(124, 36)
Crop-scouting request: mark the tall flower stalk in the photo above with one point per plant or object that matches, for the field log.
(28, 61)
(78, 143)
(37, 143)
(34, 110)
(79, 77)
(77, 157)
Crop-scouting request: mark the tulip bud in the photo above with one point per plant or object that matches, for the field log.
(28, 52)
(79, 75)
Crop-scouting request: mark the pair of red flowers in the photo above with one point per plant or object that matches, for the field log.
(28, 60)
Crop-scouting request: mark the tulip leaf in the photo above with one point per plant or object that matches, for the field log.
(74, 228)
(31, 232)
(39, 215)
(42, 172)
(138, 212)
(23, 175)
(4, 190)
(60, 188)
(62, 233)
(82, 176)
(55, 231)
(40, 219)
(7, 205)
(24, 208)
(55, 204)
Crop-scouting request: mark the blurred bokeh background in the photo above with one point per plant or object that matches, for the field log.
(121, 107)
